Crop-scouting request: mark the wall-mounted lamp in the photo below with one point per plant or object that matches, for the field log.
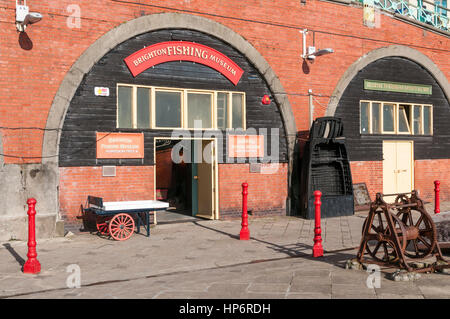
(310, 53)
(24, 17)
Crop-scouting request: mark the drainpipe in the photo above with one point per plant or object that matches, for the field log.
(311, 108)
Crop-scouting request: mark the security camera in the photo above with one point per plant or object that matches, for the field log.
(24, 17)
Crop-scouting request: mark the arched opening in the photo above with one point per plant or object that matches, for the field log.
(93, 56)
(395, 110)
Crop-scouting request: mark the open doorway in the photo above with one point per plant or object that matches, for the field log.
(186, 178)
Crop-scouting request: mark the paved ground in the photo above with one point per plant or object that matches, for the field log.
(205, 259)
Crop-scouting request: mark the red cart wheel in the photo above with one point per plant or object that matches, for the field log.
(121, 227)
(102, 225)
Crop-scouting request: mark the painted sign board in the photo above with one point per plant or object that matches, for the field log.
(183, 51)
(397, 87)
(120, 145)
(245, 145)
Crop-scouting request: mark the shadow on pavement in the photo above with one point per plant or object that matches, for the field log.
(11, 250)
(297, 250)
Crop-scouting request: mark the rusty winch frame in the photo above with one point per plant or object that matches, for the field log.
(401, 233)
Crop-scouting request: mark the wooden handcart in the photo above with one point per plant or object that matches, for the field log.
(120, 219)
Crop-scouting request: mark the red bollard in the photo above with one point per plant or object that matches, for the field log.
(245, 232)
(317, 249)
(437, 204)
(32, 266)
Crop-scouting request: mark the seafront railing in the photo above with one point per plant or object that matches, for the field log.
(435, 14)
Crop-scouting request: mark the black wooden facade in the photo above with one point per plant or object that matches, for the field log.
(89, 114)
(394, 69)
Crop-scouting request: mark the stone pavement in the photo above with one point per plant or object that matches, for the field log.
(205, 259)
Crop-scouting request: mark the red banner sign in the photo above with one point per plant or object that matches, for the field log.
(120, 145)
(185, 51)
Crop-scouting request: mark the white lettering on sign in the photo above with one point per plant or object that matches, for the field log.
(183, 51)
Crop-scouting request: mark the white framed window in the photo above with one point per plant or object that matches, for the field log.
(143, 102)
(200, 109)
(125, 113)
(377, 117)
(237, 111)
(168, 109)
(149, 107)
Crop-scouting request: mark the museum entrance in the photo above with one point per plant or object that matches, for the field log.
(185, 178)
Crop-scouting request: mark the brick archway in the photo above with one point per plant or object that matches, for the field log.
(393, 50)
(150, 23)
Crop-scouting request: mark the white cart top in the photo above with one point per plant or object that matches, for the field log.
(138, 204)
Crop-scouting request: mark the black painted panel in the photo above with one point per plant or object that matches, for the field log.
(394, 69)
(88, 113)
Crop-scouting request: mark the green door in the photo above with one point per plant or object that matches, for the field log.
(194, 175)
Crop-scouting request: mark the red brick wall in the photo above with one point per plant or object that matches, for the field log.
(370, 173)
(76, 183)
(267, 193)
(426, 172)
(30, 78)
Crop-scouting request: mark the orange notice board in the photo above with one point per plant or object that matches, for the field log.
(245, 146)
(120, 145)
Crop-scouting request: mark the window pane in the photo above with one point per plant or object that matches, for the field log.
(427, 120)
(403, 123)
(417, 120)
(199, 108)
(167, 109)
(388, 117)
(124, 114)
(237, 110)
(376, 118)
(143, 107)
(364, 118)
(222, 110)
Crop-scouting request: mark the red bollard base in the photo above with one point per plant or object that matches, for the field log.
(32, 266)
(317, 251)
(244, 234)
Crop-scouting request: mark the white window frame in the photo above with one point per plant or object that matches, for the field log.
(212, 107)
(230, 114)
(184, 107)
(396, 118)
(153, 108)
(408, 120)
(134, 106)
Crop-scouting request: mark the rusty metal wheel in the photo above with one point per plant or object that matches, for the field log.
(402, 199)
(121, 227)
(425, 241)
(381, 245)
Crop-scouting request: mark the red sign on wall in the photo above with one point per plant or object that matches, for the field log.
(120, 145)
(245, 145)
(185, 51)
